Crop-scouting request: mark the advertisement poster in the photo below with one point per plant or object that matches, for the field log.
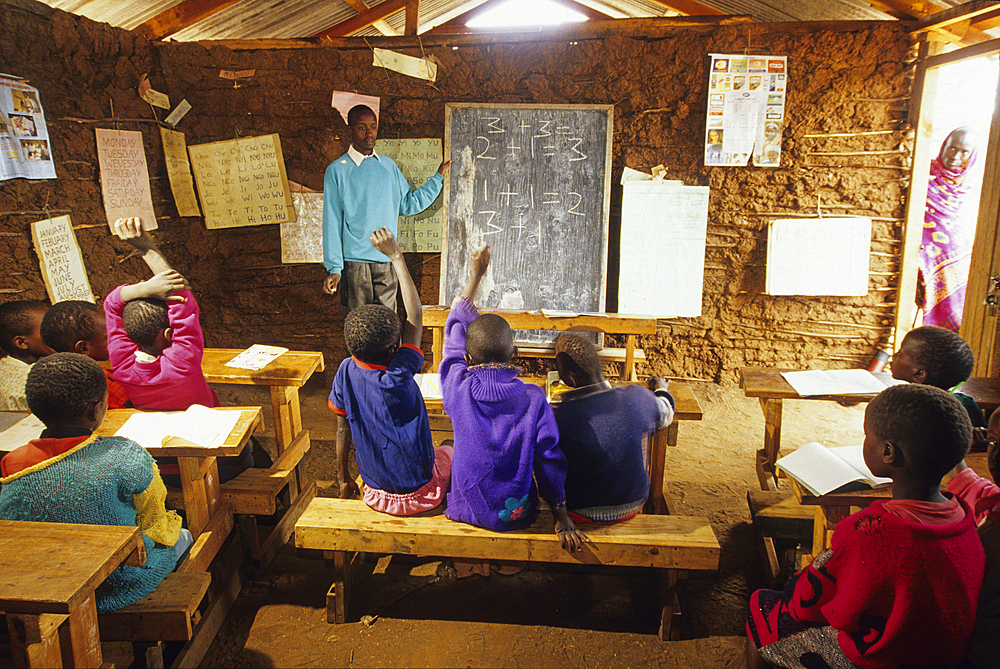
(746, 110)
(25, 150)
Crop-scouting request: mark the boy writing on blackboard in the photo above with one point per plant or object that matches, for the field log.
(363, 192)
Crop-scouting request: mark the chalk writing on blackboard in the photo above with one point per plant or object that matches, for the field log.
(533, 182)
(242, 182)
(61, 261)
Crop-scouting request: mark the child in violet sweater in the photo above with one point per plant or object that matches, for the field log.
(900, 582)
(504, 428)
(156, 345)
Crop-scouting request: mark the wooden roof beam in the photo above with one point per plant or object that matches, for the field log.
(363, 20)
(412, 15)
(908, 9)
(380, 25)
(179, 17)
(690, 7)
(967, 11)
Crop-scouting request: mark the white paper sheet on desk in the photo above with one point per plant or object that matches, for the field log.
(256, 357)
(198, 425)
(430, 385)
(20, 433)
(556, 313)
(834, 382)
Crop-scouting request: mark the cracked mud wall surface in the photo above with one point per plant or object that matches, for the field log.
(843, 78)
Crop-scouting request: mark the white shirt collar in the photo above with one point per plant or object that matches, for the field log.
(357, 156)
(142, 356)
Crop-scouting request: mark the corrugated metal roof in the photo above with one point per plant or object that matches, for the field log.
(278, 19)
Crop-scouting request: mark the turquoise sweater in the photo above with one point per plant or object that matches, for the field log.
(93, 485)
(360, 199)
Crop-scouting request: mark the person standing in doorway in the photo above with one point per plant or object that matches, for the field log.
(362, 192)
(949, 230)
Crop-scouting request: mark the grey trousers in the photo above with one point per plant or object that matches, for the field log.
(367, 283)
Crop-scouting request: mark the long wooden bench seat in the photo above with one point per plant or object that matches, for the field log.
(671, 544)
(169, 613)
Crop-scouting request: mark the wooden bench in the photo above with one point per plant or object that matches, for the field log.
(780, 525)
(169, 613)
(435, 317)
(670, 544)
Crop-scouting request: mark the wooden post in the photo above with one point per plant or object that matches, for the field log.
(924, 84)
(772, 442)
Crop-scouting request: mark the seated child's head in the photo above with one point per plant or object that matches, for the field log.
(577, 361)
(19, 325)
(76, 326)
(67, 390)
(489, 339)
(915, 431)
(933, 356)
(146, 323)
(371, 333)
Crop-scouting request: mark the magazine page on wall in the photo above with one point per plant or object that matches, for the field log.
(25, 150)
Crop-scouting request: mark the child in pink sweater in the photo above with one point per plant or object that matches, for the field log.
(156, 345)
(900, 582)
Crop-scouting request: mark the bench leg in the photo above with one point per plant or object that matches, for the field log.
(767, 456)
(339, 595)
(34, 639)
(668, 599)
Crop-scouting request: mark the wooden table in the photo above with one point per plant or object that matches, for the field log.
(435, 317)
(687, 408)
(50, 572)
(199, 475)
(834, 507)
(771, 388)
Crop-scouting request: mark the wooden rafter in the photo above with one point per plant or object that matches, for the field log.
(690, 7)
(909, 9)
(967, 11)
(363, 20)
(179, 17)
(412, 16)
(380, 25)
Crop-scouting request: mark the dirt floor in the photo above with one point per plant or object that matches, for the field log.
(553, 617)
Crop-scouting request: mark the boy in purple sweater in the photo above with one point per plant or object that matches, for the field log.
(504, 428)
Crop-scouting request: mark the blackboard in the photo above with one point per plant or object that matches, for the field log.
(533, 182)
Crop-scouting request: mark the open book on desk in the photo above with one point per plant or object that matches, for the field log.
(822, 470)
(197, 426)
(837, 382)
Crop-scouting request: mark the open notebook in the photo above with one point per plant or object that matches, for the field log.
(821, 470)
(197, 426)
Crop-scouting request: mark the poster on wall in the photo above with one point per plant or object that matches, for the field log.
(746, 110)
(302, 239)
(242, 182)
(124, 177)
(418, 160)
(61, 262)
(818, 256)
(179, 172)
(25, 149)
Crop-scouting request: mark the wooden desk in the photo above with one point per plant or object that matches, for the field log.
(435, 317)
(834, 507)
(687, 408)
(771, 388)
(199, 472)
(50, 572)
(284, 375)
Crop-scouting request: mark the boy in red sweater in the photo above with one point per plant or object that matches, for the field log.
(900, 582)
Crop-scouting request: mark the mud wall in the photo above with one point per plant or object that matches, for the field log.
(844, 79)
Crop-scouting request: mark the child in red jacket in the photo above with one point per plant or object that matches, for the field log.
(900, 582)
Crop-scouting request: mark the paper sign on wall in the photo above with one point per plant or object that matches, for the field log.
(179, 172)
(419, 68)
(24, 138)
(418, 160)
(343, 102)
(302, 239)
(818, 256)
(746, 109)
(61, 261)
(242, 182)
(665, 226)
(124, 178)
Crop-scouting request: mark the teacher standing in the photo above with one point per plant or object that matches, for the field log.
(362, 192)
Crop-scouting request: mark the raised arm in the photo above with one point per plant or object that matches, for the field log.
(131, 231)
(162, 287)
(413, 328)
(479, 261)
